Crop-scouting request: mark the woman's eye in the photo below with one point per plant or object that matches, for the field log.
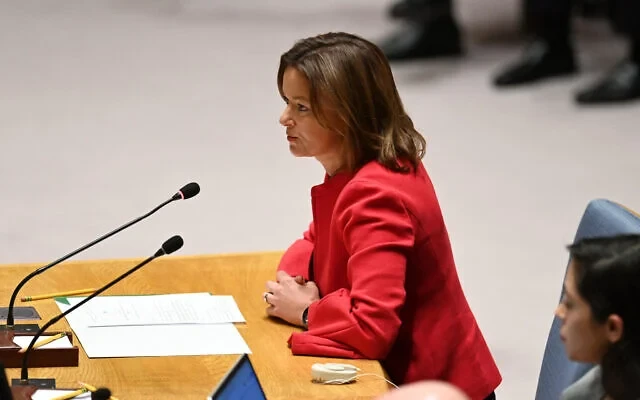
(302, 108)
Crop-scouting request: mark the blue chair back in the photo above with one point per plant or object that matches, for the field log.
(601, 218)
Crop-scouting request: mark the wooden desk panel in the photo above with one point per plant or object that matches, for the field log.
(282, 375)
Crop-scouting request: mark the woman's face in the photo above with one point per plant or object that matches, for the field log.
(585, 339)
(306, 137)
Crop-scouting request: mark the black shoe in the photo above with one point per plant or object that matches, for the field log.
(431, 40)
(622, 84)
(538, 62)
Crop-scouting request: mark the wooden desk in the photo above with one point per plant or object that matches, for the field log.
(282, 375)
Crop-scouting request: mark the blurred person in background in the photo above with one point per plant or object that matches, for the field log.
(552, 53)
(431, 31)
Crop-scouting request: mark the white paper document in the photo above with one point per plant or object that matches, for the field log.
(62, 343)
(48, 394)
(170, 309)
(153, 326)
(158, 341)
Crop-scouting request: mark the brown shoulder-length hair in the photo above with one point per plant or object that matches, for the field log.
(353, 93)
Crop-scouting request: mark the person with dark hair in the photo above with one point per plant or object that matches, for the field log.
(552, 54)
(374, 275)
(601, 319)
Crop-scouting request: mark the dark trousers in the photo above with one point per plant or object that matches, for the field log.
(551, 19)
(428, 3)
(429, 11)
(626, 14)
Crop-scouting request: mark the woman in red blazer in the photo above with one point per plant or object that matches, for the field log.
(374, 275)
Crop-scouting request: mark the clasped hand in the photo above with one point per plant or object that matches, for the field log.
(288, 297)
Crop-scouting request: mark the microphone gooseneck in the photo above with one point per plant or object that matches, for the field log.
(186, 192)
(168, 247)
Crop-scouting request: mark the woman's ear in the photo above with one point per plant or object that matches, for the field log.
(614, 328)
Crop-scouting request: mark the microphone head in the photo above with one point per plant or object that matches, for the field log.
(173, 244)
(187, 191)
(101, 394)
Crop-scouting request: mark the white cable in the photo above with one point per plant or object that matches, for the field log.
(343, 381)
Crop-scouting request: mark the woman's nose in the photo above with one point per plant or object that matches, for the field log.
(285, 119)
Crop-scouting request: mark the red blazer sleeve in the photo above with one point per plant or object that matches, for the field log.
(295, 261)
(363, 321)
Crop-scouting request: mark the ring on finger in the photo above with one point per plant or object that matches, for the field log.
(265, 297)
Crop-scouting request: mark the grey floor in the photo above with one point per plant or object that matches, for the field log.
(107, 107)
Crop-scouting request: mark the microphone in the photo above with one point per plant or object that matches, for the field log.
(186, 192)
(101, 394)
(168, 247)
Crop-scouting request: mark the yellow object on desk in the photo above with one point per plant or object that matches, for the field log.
(42, 342)
(72, 394)
(54, 295)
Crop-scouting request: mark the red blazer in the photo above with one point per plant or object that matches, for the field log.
(389, 289)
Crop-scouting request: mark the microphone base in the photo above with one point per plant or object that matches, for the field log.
(21, 328)
(40, 383)
(20, 313)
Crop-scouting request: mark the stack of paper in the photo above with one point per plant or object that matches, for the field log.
(156, 325)
(48, 394)
(62, 343)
